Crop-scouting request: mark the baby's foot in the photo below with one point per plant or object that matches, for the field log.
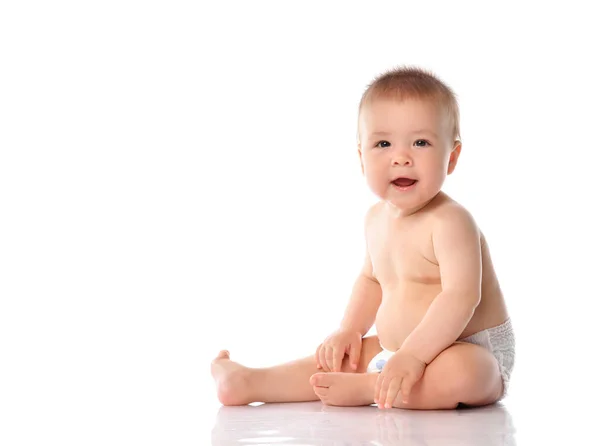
(231, 379)
(344, 389)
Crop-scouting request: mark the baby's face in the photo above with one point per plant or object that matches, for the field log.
(402, 141)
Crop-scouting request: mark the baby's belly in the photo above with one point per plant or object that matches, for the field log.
(402, 308)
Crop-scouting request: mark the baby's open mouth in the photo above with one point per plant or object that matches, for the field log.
(404, 182)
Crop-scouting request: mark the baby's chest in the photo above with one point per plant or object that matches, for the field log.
(395, 257)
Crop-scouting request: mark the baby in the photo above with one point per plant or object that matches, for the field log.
(444, 337)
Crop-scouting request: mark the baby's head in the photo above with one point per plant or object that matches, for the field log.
(408, 129)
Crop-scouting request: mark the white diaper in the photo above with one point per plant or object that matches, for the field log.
(377, 363)
(499, 340)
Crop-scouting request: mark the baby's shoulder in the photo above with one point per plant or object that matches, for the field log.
(451, 212)
(374, 209)
(373, 212)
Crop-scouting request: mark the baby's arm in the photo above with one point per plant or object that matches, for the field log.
(358, 318)
(458, 251)
(364, 301)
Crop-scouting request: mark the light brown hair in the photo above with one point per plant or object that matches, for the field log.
(414, 83)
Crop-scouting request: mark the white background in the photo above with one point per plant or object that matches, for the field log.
(177, 178)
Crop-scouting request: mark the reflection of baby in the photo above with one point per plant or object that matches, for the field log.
(428, 282)
(310, 424)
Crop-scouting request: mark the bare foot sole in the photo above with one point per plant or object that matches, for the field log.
(232, 380)
(344, 389)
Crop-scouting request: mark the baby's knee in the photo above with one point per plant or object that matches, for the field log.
(469, 370)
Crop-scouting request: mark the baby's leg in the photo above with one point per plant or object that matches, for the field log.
(289, 382)
(463, 373)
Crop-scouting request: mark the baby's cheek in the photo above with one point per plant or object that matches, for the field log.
(376, 179)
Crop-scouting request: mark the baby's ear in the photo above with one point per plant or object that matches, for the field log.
(362, 167)
(454, 156)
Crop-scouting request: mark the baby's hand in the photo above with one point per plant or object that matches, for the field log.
(330, 353)
(399, 374)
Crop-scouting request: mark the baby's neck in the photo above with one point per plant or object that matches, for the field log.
(398, 213)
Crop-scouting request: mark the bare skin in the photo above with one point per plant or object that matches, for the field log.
(239, 385)
(416, 240)
(297, 381)
(404, 262)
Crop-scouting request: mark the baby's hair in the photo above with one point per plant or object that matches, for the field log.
(414, 83)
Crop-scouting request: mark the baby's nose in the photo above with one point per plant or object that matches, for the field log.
(401, 159)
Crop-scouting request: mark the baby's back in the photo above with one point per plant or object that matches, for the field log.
(404, 263)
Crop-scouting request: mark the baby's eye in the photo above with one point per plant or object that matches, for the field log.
(422, 143)
(381, 144)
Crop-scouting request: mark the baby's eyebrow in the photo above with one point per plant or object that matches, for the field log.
(412, 133)
(425, 131)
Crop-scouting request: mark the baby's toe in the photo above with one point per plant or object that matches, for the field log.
(319, 379)
(223, 354)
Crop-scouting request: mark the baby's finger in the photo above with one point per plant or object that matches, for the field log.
(355, 353)
(317, 357)
(383, 392)
(392, 392)
(322, 359)
(338, 357)
(377, 389)
(329, 358)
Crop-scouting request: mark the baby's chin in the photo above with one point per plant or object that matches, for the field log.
(409, 204)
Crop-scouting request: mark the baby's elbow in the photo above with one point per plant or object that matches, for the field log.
(474, 300)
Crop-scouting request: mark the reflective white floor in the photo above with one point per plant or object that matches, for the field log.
(523, 421)
(316, 424)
